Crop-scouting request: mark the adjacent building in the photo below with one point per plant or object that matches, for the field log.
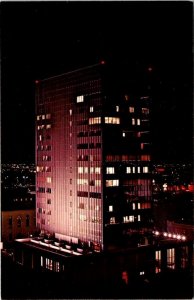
(93, 155)
(18, 215)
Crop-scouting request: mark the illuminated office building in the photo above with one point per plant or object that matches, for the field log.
(92, 154)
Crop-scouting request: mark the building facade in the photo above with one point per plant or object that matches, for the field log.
(93, 155)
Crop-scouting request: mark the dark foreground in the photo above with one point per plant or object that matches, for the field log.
(17, 283)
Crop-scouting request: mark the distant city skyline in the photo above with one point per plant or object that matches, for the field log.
(40, 40)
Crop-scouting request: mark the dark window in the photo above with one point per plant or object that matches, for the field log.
(19, 221)
(48, 190)
(95, 195)
(10, 221)
(27, 220)
(48, 201)
(82, 146)
(82, 194)
(41, 190)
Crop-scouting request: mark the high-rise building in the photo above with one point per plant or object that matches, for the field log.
(93, 154)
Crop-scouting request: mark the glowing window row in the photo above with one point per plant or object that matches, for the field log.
(136, 121)
(107, 120)
(128, 157)
(43, 169)
(137, 170)
(92, 170)
(82, 181)
(113, 182)
(138, 205)
(112, 120)
(47, 126)
(128, 219)
(96, 120)
(144, 110)
(42, 147)
(43, 117)
(46, 158)
(80, 99)
(110, 170)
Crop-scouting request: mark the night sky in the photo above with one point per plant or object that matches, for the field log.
(42, 39)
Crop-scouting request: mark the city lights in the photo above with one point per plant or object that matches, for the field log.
(170, 235)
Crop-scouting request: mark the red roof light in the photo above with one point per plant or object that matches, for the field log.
(102, 62)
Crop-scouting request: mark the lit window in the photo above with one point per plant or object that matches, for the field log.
(142, 146)
(48, 126)
(112, 220)
(91, 108)
(141, 273)
(128, 219)
(39, 169)
(145, 111)
(38, 118)
(97, 170)
(40, 137)
(96, 120)
(80, 99)
(97, 182)
(82, 217)
(48, 179)
(128, 170)
(82, 181)
(117, 108)
(171, 258)
(138, 122)
(158, 261)
(110, 208)
(133, 206)
(145, 169)
(124, 134)
(138, 206)
(138, 218)
(138, 170)
(133, 169)
(131, 109)
(80, 170)
(48, 116)
(43, 117)
(114, 182)
(70, 112)
(86, 170)
(133, 121)
(110, 170)
(112, 120)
